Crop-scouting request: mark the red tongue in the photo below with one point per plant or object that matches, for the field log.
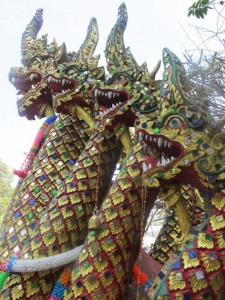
(152, 161)
(104, 108)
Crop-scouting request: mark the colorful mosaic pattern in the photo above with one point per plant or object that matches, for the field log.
(69, 198)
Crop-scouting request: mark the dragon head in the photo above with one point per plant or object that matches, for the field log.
(38, 58)
(130, 90)
(177, 143)
(71, 83)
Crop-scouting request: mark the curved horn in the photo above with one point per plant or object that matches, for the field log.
(88, 47)
(175, 96)
(116, 53)
(31, 31)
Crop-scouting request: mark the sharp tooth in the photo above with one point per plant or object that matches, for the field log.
(165, 143)
(113, 106)
(163, 162)
(145, 146)
(113, 95)
(13, 80)
(141, 136)
(67, 81)
(158, 164)
(167, 161)
(110, 95)
(150, 138)
(172, 158)
(155, 139)
(146, 137)
(63, 81)
(31, 76)
(145, 167)
(33, 86)
(149, 166)
(96, 93)
(160, 142)
(169, 145)
(53, 97)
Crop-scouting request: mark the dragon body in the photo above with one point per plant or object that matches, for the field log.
(55, 149)
(99, 220)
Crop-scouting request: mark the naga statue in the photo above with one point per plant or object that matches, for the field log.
(78, 233)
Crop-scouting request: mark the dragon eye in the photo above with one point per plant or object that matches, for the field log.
(71, 72)
(175, 123)
(119, 79)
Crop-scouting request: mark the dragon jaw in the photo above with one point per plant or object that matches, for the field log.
(33, 92)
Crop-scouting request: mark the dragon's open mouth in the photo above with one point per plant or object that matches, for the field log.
(25, 83)
(161, 150)
(109, 100)
(60, 86)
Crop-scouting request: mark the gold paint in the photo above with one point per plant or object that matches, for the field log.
(217, 282)
(125, 184)
(203, 242)
(175, 284)
(179, 297)
(100, 264)
(76, 291)
(94, 248)
(80, 174)
(107, 247)
(115, 229)
(62, 238)
(110, 215)
(66, 213)
(91, 283)
(84, 115)
(197, 285)
(217, 222)
(210, 262)
(103, 233)
(189, 262)
(126, 141)
(17, 292)
(220, 240)
(119, 273)
(217, 143)
(174, 199)
(106, 281)
(117, 198)
(45, 287)
(31, 290)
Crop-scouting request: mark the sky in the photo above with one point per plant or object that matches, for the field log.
(152, 25)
